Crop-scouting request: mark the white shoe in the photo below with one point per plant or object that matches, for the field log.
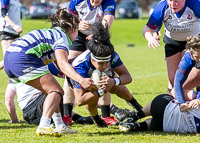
(46, 131)
(65, 130)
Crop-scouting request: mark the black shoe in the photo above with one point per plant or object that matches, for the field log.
(84, 120)
(100, 122)
(124, 126)
(121, 114)
(132, 119)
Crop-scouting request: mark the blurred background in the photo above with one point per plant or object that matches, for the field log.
(125, 8)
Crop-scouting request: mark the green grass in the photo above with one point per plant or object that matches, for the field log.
(148, 70)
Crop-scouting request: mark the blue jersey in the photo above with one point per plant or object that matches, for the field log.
(185, 66)
(82, 65)
(178, 26)
(86, 13)
(13, 10)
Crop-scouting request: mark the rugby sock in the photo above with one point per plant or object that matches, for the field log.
(75, 117)
(140, 114)
(113, 109)
(105, 110)
(134, 103)
(58, 120)
(68, 109)
(45, 122)
(143, 126)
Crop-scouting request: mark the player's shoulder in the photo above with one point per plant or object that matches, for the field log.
(81, 59)
(76, 2)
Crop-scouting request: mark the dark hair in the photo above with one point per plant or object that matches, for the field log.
(100, 44)
(65, 20)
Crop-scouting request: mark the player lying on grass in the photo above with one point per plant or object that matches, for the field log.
(30, 101)
(167, 115)
(101, 56)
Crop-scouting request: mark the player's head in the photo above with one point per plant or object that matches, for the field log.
(193, 44)
(95, 3)
(68, 22)
(100, 45)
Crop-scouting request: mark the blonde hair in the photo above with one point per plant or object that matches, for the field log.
(193, 43)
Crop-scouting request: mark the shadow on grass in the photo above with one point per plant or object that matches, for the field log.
(141, 133)
(22, 124)
(153, 93)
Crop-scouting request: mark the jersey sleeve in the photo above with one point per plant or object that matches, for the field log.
(194, 5)
(72, 5)
(181, 75)
(115, 61)
(109, 7)
(157, 15)
(61, 43)
(83, 71)
(4, 7)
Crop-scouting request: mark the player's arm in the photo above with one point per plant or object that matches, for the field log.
(4, 13)
(108, 19)
(68, 70)
(83, 97)
(181, 75)
(10, 104)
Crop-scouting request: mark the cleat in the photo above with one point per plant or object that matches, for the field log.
(99, 122)
(128, 126)
(46, 131)
(110, 121)
(67, 120)
(121, 114)
(84, 120)
(65, 130)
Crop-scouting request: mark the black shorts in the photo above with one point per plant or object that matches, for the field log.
(8, 36)
(157, 111)
(33, 111)
(79, 43)
(172, 47)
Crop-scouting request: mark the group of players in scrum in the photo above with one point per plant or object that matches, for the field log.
(26, 59)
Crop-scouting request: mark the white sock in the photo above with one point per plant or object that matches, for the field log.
(45, 122)
(57, 119)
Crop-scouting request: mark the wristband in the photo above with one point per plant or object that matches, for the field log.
(117, 81)
(16, 27)
(100, 92)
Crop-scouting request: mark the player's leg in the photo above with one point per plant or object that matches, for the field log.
(68, 103)
(122, 92)
(104, 102)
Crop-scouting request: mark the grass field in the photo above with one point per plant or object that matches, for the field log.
(148, 70)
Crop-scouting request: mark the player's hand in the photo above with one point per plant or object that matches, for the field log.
(106, 83)
(84, 25)
(184, 107)
(194, 103)
(153, 42)
(11, 122)
(87, 84)
(18, 29)
(89, 37)
(157, 35)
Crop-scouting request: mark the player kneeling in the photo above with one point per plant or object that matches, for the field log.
(101, 56)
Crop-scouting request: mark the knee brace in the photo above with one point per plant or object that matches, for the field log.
(58, 94)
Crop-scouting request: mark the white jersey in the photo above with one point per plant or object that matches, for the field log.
(178, 26)
(24, 93)
(13, 8)
(181, 122)
(86, 13)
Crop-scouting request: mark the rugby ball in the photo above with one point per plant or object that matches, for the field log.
(96, 76)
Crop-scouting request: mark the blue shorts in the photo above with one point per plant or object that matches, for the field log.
(24, 67)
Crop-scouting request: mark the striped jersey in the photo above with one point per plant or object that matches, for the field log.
(84, 11)
(42, 43)
(83, 66)
(13, 8)
(178, 26)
